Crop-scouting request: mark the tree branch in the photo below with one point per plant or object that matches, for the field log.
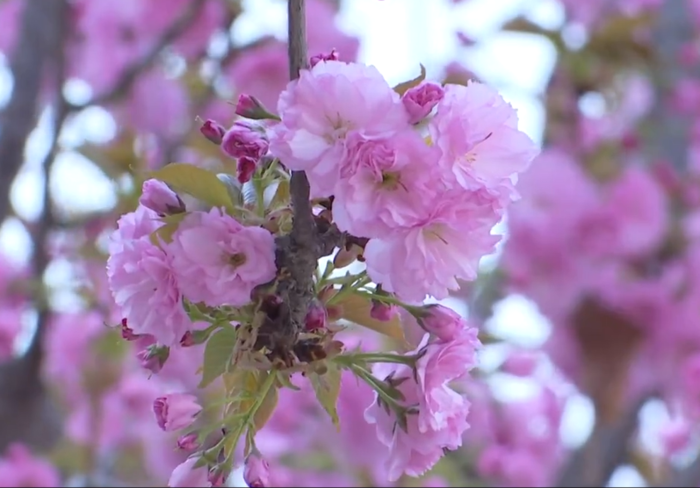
(26, 408)
(131, 74)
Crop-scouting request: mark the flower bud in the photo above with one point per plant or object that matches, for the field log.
(244, 139)
(187, 339)
(176, 411)
(316, 317)
(216, 476)
(256, 472)
(420, 100)
(153, 357)
(127, 333)
(245, 168)
(382, 311)
(332, 56)
(251, 108)
(442, 322)
(213, 131)
(188, 442)
(158, 196)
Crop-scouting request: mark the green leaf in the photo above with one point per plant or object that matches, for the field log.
(267, 407)
(327, 388)
(402, 88)
(165, 232)
(356, 308)
(197, 182)
(217, 354)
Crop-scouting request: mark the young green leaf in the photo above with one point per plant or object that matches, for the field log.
(267, 407)
(217, 354)
(327, 389)
(197, 182)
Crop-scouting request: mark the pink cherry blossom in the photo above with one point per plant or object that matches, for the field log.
(142, 280)
(428, 257)
(478, 134)
(412, 451)
(443, 362)
(176, 411)
(320, 110)
(379, 182)
(219, 261)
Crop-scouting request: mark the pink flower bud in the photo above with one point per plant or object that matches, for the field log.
(382, 311)
(188, 442)
(332, 56)
(251, 108)
(316, 317)
(256, 472)
(675, 436)
(176, 411)
(127, 333)
(244, 140)
(216, 477)
(213, 131)
(153, 357)
(186, 475)
(157, 196)
(187, 339)
(420, 100)
(245, 168)
(442, 322)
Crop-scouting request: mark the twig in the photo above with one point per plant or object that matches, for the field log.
(129, 76)
(297, 253)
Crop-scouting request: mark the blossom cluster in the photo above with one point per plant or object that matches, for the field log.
(415, 176)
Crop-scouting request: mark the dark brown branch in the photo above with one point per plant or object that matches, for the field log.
(131, 74)
(26, 408)
(37, 40)
(297, 253)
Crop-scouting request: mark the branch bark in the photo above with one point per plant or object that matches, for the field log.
(27, 411)
(37, 41)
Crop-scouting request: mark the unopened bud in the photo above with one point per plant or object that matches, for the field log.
(245, 169)
(188, 442)
(153, 357)
(316, 317)
(256, 472)
(216, 476)
(332, 56)
(213, 131)
(382, 311)
(158, 197)
(420, 100)
(127, 333)
(251, 108)
(187, 339)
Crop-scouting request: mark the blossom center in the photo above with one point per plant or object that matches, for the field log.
(236, 260)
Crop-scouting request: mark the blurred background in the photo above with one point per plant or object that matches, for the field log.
(590, 309)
